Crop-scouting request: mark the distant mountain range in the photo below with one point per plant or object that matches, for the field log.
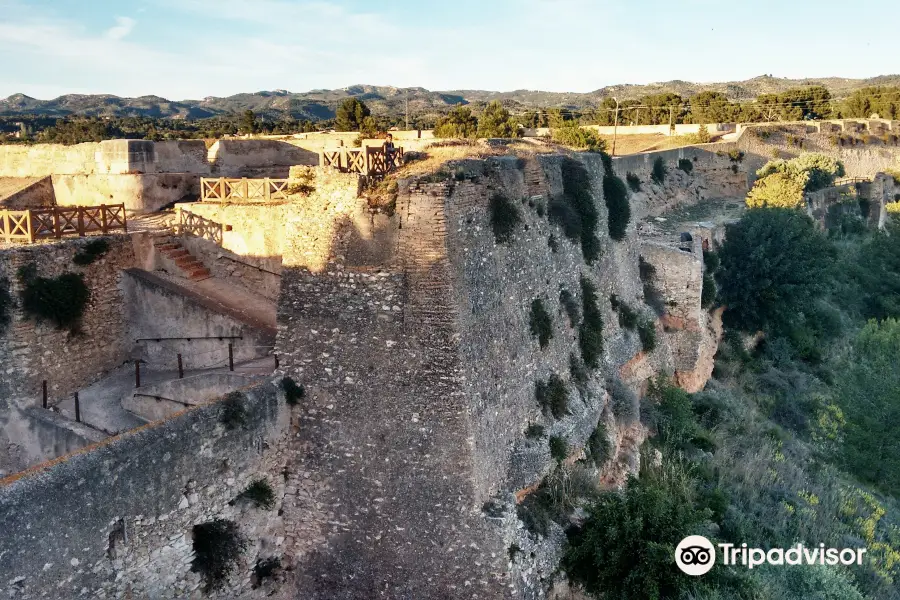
(317, 105)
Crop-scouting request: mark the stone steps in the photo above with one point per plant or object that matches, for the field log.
(190, 267)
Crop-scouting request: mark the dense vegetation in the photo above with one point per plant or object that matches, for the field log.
(575, 211)
(793, 440)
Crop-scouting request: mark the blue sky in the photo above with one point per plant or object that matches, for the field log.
(189, 49)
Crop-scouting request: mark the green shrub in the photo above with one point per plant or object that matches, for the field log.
(625, 404)
(217, 547)
(658, 174)
(541, 323)
(599, 448)
(577, 371)
(534, 431)
(624, 549)
(811, 170)
(774, 264)
(60, 300)
(234, 412)
(91, 252)
(504, 218)
(570, 305)
(685, 165)
(573, 136)
(735, 155)
(495, 122)
(6, 304)
(628, 318)
(458, 123)
(260, 493)
(634, 182)
(575, 211)
(711, 261)
(590, 333)
(293, 393)
(559, 449)
(708, 293)
(553, 396)
(647, 334)
(616, 195)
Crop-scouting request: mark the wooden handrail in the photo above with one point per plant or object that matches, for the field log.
(58, 221)
(225, 189)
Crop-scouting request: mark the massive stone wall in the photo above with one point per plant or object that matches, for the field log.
(165, 320)
(139, 193)
(237, 158)
(32, 351)
(116, 521)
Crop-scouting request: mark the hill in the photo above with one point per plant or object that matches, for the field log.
(317, 105)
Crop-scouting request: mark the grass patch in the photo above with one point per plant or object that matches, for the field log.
(61, 300)
(553, 396)
(91, 252)
(658, 174)
(505, 218)
(218, 545)
(260, 493)
(540, 323)
(293, 392)
(633, 181)
(559, 449)
(570, 305)
(234, 411)
(590, 334)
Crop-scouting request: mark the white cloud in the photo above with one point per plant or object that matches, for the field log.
(121, 29)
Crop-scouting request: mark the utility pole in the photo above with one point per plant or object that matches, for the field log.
(615, 127)
(671, 121)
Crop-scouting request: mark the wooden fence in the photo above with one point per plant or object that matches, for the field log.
(243, 190)
(39, 223)
(202, 227)
(372, 160)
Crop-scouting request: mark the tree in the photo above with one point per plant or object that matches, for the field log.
(350, 115)
(812, 170)
(774, 265)
(578, 138)
(776, 191)
(495, 122)
(458, 123)
(248, 122)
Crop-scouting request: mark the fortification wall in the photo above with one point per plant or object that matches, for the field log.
(139, 193)
(233, 157)
(27, 193)
(714, 174)
(200, 329)
(762, 143)
(117, 521)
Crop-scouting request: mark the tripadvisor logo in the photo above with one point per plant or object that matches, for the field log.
(696, 555)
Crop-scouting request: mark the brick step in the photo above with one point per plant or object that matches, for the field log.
(186, 262)
(167, 246)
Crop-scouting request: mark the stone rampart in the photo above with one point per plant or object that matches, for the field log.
(116, 520)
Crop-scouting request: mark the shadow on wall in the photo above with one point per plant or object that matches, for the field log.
(258, 158)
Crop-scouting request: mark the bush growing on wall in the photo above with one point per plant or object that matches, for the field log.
(293, 392)
(6, 303)
(60, 300)
(541, 323)
(234, 411)
(777, 190)
(575, 211)
(553, 396)
(658, 174)
(559, 449)
(634, 182)
(616, 195)
(590, 334)
(91, 252)
(567, 300)
(217, 547)
(647, 334)
(504, 218)
(260, 493)
(685, 165)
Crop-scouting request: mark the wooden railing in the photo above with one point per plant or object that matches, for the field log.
(371, 160)
(202, 227)
(38, 223)
(243, 190)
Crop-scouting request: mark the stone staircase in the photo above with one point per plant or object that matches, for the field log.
(190, 267)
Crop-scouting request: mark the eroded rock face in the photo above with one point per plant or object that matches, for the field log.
(694, 380)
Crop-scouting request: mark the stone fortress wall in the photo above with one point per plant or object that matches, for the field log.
(411, 335)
